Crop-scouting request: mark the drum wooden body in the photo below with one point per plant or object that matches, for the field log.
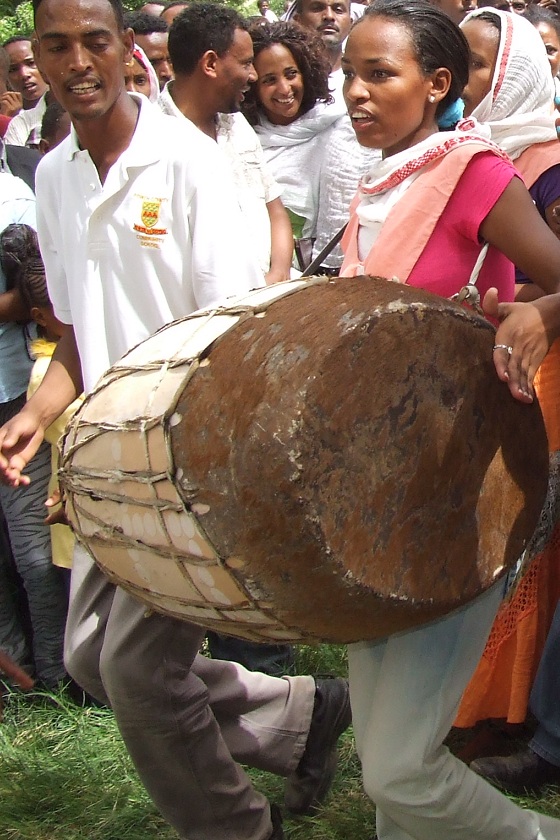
(327, 460)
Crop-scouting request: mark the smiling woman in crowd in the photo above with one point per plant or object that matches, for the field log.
(290, 108)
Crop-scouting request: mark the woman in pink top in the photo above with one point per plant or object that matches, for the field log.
(461, 189)
(423, 216)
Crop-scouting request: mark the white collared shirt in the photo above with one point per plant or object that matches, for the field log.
(25, 128)
(253, 180)
(161, 237)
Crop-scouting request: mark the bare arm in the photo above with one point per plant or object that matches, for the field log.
(282, 247)
(515, 227)
(527, 292)
(21, 437)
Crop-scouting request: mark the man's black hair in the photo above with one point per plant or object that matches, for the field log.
(174, 3)
(143, 23)
(202, 27)
(15, 39)
(51, 120)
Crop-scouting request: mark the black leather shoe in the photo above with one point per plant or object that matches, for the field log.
(309, 784)
(276, 817)
(523, 772)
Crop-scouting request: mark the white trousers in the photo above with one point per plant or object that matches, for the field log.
(405, 692)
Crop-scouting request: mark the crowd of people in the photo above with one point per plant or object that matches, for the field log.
(405, 139)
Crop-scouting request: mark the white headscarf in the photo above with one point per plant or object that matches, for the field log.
(144, 61)
(519, 109)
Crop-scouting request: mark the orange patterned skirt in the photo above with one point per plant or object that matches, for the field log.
(502, 682)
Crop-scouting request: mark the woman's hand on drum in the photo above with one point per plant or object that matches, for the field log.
(20, 438)
(523, 338)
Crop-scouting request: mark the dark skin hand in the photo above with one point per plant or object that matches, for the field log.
(21, 436)
(57, 515)
(515, 227)
(11, 103)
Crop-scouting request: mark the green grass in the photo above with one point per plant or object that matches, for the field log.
(65, 775)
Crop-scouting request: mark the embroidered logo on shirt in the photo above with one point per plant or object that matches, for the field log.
(149, 216)
(150, 212)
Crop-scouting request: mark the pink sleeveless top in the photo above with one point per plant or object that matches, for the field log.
(430, 238)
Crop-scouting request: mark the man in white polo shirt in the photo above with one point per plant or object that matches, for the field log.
(114, 278)
(212, 56)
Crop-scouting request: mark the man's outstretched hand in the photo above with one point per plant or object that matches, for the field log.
(20, 438)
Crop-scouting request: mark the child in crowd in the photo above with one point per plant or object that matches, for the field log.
(54, 128)
(20, 246)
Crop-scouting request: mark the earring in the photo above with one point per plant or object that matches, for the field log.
(431, 98)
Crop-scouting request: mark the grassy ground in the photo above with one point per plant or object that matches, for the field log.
(64, 775)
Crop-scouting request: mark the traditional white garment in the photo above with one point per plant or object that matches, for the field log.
(344, 163)
(519, 108)
(294, 154)
(253, 181)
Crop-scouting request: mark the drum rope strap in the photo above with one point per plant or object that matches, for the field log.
(469, 293)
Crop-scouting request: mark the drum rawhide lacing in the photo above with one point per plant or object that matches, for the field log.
(326, 459)
(155, 512)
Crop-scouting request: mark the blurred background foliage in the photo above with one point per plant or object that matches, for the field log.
(16, 18)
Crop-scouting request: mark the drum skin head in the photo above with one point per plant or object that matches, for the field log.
(352, 458)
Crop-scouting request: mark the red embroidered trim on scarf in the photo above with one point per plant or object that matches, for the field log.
(505, 56)
(430, 156)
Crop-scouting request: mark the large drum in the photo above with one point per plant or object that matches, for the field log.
(325, 460)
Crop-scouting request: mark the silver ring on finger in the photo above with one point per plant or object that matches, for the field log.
(507, 347)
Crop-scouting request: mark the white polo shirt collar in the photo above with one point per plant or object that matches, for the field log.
(142, 149)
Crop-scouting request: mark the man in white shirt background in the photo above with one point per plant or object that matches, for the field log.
(25, 78)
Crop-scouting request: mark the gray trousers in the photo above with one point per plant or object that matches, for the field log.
(405, 693)
(186, 720)
(24, 512)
